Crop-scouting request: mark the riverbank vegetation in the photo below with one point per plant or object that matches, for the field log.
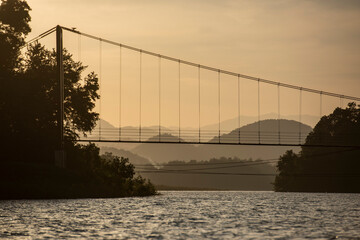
(88, 175)
(325, 169)
(29, 104)
(217, 173)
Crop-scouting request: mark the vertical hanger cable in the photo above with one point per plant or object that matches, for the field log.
(300, 106)
(259, 111)
(140, 82)
(120, 85)
(179, 102)
(100, 88)
(159, 98)
(239, 140)
(279, 120)
(199, 103)
(219, 105)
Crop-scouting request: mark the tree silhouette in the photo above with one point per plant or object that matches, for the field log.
(28, 97)
(330, 169)
(80, 94)
(14, 26)
(28, 123)
(14, 19)
(36, 105)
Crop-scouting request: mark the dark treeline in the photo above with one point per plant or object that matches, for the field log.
(325, 169)
(212, 161)
(28, 123)
(217, 173)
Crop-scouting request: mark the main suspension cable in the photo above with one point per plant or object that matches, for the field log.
(206, 67)
(40, 36)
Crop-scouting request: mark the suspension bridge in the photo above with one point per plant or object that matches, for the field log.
(187, 92)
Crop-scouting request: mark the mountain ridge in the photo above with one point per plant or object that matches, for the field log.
(161, 153)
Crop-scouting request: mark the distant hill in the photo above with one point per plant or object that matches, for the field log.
(223, 178)
(133, 158)
(227, 175)
(230, 124)
(127, 132)
(162, 153)
(270, 131)
(110, 132)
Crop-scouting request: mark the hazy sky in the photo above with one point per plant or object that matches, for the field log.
(313, 44)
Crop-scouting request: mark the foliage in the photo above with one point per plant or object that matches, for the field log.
(325, 169)
(14, 18)
(29, 91)
(88, 175)
(80, 94)
(28, 118)
(119, 171)
(14, 26)
(33, 102)
(210, 161)
(115, 172)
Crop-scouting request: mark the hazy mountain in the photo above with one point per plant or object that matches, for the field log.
(227, 175)
(162, 153)
(270, 131)
(224, 178)
(133, 158)
(127, 132)
(110, 132)
(233, 123)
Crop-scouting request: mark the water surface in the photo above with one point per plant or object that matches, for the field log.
(183, 215)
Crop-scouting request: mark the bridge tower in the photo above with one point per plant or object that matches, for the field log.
(60, 156)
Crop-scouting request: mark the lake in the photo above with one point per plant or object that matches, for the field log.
(187, 214)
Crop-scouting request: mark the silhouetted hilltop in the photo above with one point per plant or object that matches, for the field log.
(127, 132)
(133, 158)
(270, 131)
(166, 137)
(230, 124)
(162, 153)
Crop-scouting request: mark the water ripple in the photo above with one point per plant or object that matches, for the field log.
(183, 215)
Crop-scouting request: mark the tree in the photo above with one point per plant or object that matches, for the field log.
(28, 98)
(28, 122)
(325, 169)
(34, 102)
(14, 19)
(14, 26)
(287, 166)
(80, 94)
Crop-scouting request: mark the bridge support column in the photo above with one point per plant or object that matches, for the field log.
(60, 156)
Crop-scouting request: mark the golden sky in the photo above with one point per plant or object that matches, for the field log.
(312, 44)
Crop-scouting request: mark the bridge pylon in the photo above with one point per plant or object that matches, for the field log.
(60, 155)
